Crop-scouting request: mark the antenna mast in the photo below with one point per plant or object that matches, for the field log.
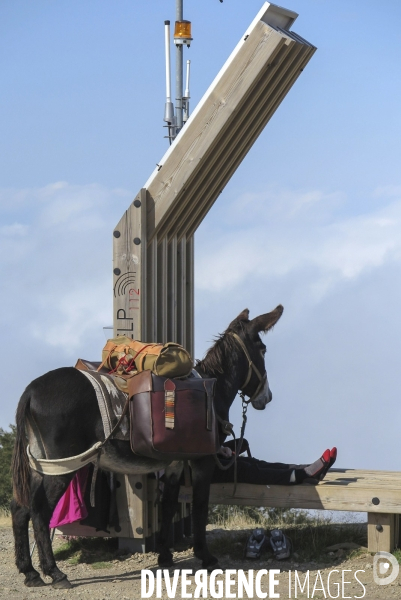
(169, 107)
(182, 35)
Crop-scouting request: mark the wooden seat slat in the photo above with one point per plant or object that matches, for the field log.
(305, 497)
(343, 489)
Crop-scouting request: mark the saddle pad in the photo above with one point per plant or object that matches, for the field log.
(111, 402)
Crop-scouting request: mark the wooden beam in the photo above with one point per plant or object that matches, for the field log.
(241, 100)
(383, 532)
(162, 291)
(172, 291)
(129, 268)
(130, 283)
(181, 291)
(190, 296)
(151, 292)
(346, 490)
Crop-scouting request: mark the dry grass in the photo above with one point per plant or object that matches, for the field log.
(97, 552)
(310, 534)
(5, 518)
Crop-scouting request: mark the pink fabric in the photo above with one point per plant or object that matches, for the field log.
(71, 506)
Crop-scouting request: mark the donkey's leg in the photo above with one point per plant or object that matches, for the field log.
(169, 508)
(202, 471)
(20, 519)
(46, 490)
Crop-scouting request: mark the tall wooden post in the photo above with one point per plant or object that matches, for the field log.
(129, 308)
(153, 244)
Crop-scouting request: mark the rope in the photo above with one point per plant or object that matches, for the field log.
(233, 460)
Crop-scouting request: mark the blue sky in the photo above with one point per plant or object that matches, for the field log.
(311, 219)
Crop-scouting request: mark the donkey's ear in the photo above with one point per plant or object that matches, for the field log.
(243, 316)
(267, 321)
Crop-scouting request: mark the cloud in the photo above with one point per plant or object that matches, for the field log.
(56, 273)
(292, 233)
(16, 229)
(333, 357)
(56, 250)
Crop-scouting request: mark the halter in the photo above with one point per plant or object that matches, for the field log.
(251, 367)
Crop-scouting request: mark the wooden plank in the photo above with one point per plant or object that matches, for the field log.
(129, 266)
(366, 472)
(132, 509)
(151, 292)
(77, 530)
(162, 290)
(342, 490)
(172, 291)
(190, 296)
(181, 291)
(364, 478)
(383, 532)
(309, 497)
(129, 287)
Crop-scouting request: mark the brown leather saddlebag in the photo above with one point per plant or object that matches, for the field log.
(172, 419)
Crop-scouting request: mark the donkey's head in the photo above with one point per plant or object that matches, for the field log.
(252, 370)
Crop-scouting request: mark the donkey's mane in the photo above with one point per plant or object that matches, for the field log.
(215, 360)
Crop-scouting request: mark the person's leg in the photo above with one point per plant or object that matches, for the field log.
(252, 470)
(263, 473)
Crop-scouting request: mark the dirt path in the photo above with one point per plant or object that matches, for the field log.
(121, 578)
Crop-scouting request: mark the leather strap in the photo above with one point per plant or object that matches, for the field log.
(251, 367)
(169, 404)
(209, 386)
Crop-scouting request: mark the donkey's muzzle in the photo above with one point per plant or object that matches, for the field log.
(265, 396)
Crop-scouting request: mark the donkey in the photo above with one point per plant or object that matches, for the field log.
(58, 415)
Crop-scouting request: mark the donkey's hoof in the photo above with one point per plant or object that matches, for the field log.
(211, 564)
(35, 582)
(62, 584)
(165, 563)
(165, 560)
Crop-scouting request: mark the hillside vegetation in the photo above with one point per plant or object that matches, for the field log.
(7, 439)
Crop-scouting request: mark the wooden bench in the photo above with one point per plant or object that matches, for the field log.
(376, 492)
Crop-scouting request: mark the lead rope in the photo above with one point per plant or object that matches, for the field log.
(228, 428)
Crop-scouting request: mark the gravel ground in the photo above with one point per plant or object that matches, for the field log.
(121, 578)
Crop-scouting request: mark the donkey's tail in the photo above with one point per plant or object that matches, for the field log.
(20, 468)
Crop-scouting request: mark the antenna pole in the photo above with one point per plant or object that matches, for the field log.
(169, 107)
(187, 95)
(179, 69)
(168, 61)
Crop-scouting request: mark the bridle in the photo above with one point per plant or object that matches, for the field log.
(251, 368)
